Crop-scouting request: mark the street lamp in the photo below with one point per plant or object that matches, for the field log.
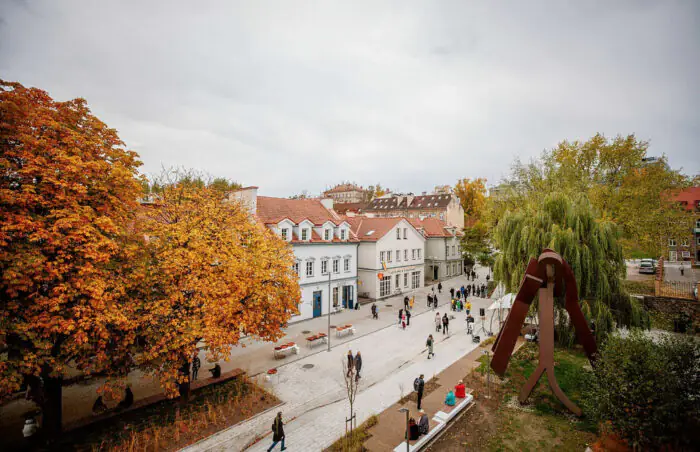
(405, 410)
(330, 295)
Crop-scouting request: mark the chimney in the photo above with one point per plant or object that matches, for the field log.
(248, 196)
(327, 203)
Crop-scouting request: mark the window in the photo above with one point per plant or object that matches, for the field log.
(335, 297)
(398, 281)
(342, 234)
(671, 242)
(295, 267)
(305, 234)
(398, 233)
(324, 266)
(684, 242)
(419, 250)
(698, 241)
(447, 270)
(405, 233)
(326, 234)
(697, 223)
(346, 264)
(454, 250)
(381, 256)
(447, 250)
(405, 279)
(285, 234)
(309, 268)
(413, 254)
(415, 280)
(388, 256)
(405, 255)
(336, 265)
(385, 286)
(398, 255)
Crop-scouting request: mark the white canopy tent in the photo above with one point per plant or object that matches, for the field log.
(505, 302)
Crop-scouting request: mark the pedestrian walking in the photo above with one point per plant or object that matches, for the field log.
(403, 320)
(277, 432)
(487, 278)
(483, 290)
(435, 301)
(405, 302)
(439, 287)
(430, 300)
(351, 363)
(375, 313)
(438, 322)
(430, 343)
(408, 318)
(358, 366)
(452, 292)
(468, 306)
(400, 315)
(196, 364)
(418, 386)
(445, 324)
(474, 289)
(411, 302)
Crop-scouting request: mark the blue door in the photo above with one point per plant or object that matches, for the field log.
(347, 297)
(317, 304)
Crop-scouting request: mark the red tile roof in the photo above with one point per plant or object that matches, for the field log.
(344, 187)
(342, 207)
(432, 227)
(689, 197)
(362, 227)
(437, 201)
(273, 210)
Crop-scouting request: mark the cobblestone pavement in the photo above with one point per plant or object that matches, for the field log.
(315, 402)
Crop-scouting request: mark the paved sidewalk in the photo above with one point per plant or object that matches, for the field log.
(312, 387)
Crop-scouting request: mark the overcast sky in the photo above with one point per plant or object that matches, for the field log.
(293, 95)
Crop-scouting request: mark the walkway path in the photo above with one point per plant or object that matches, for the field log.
(314, 395)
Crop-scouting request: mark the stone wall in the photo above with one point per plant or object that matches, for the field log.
(674, 309)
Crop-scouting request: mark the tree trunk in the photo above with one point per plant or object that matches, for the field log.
(184, 387)
(52, 409)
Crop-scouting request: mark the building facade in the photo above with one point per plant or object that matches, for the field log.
(444, 207)
(391, 248)
(324, 246)
(443, 256)
(687, 248)
(346, 193)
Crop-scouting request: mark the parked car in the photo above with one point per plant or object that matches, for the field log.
(647, 267)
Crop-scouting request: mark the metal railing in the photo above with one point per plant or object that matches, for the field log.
(676, 289)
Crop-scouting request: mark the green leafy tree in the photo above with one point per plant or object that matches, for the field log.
(569, 226)
(648, 391)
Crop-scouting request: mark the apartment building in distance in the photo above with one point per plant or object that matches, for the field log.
(687, 248)
(442, 206)
(346, 193)
(443, 256)
(390, 248)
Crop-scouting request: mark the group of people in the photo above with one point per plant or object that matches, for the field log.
(422, 427)
(354, 365)
(478, 290)
(442, 323)
(458, 305)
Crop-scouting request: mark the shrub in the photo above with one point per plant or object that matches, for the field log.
(648, 390)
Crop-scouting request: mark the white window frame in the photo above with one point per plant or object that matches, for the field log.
(447, 250)
(454, 250)
(335, 297)
(336, 265)
(342, 234)
(398, 255)
(385, 286)
(405, 233)
(382, 256)
(304, 234)
(324, 266)
(671, 242)
(419, 250)
(398, 234)
(415, 279)
(346, 264)
(405, 255)
(397, 280)
(684, 242)
(326, 234)
(405, 280)
(413, 254)
(295, 267)
(284, 233)
(309, 269)
(388, 256)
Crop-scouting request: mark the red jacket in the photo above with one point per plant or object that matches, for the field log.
(460, 391)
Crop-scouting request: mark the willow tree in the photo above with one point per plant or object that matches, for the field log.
(591, 246)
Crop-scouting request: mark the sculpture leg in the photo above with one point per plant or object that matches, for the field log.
(554, 386)
(530, 384)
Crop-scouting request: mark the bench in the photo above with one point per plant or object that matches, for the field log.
(344, 330)
(440, 421)
(320, 338)
(286, 349)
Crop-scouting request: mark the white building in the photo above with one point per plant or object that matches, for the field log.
(443, 257)
(396, 243)
(323, 244)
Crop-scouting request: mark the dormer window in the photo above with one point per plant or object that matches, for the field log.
(305, 234)
(342, 234)
(285, 234)
(326, 234)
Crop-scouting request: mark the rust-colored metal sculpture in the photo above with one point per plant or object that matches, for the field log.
(548, 276)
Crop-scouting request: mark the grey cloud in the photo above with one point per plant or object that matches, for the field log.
(298, 95)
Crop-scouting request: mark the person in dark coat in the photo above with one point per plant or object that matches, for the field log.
(430, 300)
(413, 430)
(351, 362)
(196, 364)
(423, 423)
(358, 365)
(439, 287)
(277, 432)
(216, 371)
(435, 300)
(483, 290)
(375, 313)
(445, 324)
(405, 303)
(452, 292)
(419, 387)
(429, 343)
(408, 318)
(400, 315)
(99, 406)
(128, 399)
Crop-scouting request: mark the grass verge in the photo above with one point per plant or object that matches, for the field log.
(353, 442)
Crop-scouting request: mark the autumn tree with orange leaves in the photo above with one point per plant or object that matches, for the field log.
(68, 191)
(209, 275)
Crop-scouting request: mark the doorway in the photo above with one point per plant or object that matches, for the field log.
(435, 271)
(348, 302)
(317, 304)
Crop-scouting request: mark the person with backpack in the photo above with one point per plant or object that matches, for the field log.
(418, 386)
(277, 432)
(445, 324)
(430, 343)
